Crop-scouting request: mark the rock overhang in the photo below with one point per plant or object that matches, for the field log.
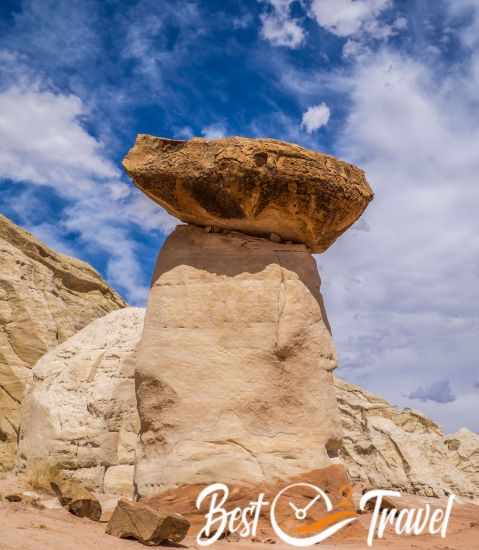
(256, 186)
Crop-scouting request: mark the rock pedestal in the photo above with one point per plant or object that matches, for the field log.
(234, 372)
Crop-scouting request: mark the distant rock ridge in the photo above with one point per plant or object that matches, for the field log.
(45, 297)
(382, 446)
(387, 447)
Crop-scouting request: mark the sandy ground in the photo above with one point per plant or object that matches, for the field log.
(26, 527)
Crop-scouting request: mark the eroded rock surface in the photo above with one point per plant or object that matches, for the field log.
(464, 449)
(45, 298)
(78, 500)
(79, 413)
(385, 447)
(134, 520)
(234, 371)
(257, 186)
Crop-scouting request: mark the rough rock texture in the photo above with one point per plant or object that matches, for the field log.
(79, 413)
(382, 446)
(234, 371)
(464, 450)
(385, 447)
(134, 520)
(77, 499)
(257, 186)
(45, 297)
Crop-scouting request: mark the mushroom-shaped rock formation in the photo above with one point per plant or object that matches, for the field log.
(256, 186)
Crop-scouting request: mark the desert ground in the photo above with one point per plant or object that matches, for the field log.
(38, 522)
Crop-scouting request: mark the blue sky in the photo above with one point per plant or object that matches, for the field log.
(391, 86)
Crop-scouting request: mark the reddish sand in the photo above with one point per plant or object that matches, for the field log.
(25, 527)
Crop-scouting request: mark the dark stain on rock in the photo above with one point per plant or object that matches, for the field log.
(211, 195)
(261, 159)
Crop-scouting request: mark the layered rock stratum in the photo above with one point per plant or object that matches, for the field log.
(234, 371)
(45, 297)
(256, 186)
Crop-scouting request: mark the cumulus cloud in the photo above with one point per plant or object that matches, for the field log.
(357, 20)
(348, 17)
(45, 143)
(316, 117)
(279, 27)
(399, 294)
(440, 392)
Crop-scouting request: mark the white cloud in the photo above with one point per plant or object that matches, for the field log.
(348, 17)
(316, 117)
(214, 131)
(403, 297)
(45, 143)
(357, 20)
(278, 27)
(354, 48)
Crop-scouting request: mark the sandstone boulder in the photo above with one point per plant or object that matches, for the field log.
(389, 448)
(79, 412)
(45, 298)
(257, 186)
(77, 499)
(234, 371)
(134, 520)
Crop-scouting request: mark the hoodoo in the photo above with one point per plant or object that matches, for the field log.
(234, 369)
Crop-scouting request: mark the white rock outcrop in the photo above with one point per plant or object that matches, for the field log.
(79, 412)
(390, 448)
(464, 449)
(45, 298)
